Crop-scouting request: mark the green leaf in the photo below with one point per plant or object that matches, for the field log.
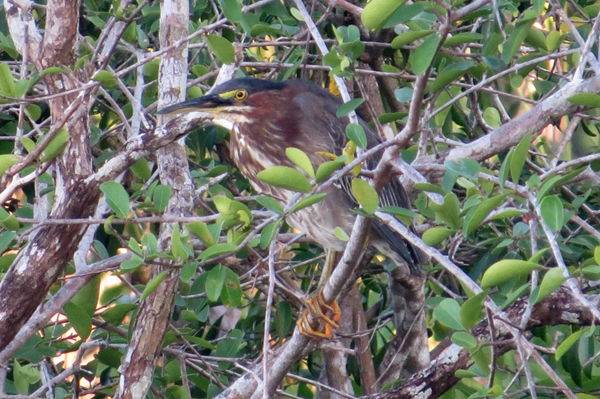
(285, 177)
(215, 280)
(5, 239)
(548, 184)
(553, 40)
(586, 99)
(116, 197)
(6, 161)
(448, 313)
(201, 231)
(188, 271)
(464, 339)
(553, 279)
(450, 74)
(217, 250)
(430, 188)
(492, 117)
(340, 234)
(356, 133)
(117, 313)
(161, 196)
(514, 41)
(471, 311)
(365, 194)
(268, 233)
(552, 212)
(270, 203)
(326, 169)
(308, 201)
(483, 210)
(505, 168)
(468, 168)
(104, 76)
(132, 263)
(56, 146)
(409, 37)
(519, 157)
(436, 235)
(79, 319)
(153, 284)
(506, 269)
(300, 158)
(284, 319)
(7, 81)
(461, 38)
(449, 212)
(141, 169)
(421, 59)
(232, 292)
(377, 12)
(232, 10)
(398, 211)
(221, 48)
(348, 107)
(177, 245)
(568, 343)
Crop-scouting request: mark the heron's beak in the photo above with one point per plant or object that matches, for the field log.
(208, 103)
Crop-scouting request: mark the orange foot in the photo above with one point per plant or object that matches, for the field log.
(322, 315)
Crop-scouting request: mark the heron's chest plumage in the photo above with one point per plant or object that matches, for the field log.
(253, 155)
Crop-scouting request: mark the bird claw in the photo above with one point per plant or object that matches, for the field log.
(318, 310)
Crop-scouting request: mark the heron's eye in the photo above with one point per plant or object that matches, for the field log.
(240, 95)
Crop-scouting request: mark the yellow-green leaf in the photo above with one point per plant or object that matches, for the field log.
(221, 48)
(409, 37)
(377, 12)
(285, 177)
(300, 158)
(365, 194)
(436, 235)
(552, 280)
(506, 269)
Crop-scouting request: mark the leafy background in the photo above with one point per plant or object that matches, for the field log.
(495, 106)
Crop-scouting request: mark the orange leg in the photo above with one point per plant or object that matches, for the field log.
(325, 316)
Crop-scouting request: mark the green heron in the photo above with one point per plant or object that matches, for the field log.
(265, 118)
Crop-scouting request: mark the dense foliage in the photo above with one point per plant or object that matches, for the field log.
(107, 233)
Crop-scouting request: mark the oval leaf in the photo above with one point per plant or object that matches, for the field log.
(506, 269)
(422, 58)
(448, 313)
(116, 197)
(356, 133)
(308, 201)
(552, 212)
(285, 177)
(300, 158)
(482, 211)
(153, 284)
(587, 99)
(552, 280)
(217, 250)
(409, 37)
(326, 169)
(348, 107)
(215, 280)
(365, 194)
(377, 12)
(161, 196)
(221, 48)
(436, 235)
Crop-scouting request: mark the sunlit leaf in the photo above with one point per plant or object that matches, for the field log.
(285, 177)
(506, 269)
(365, 194)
